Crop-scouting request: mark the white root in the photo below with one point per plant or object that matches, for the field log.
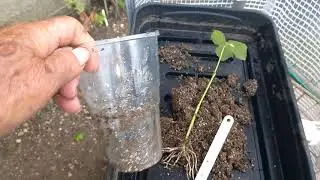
(177, 153)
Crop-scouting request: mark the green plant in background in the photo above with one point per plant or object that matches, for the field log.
(117, 5)
(79, 136)
(121, 4)
(76, 5)
(100, 18)
(224, 50)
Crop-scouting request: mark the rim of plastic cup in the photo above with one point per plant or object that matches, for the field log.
(128, 38)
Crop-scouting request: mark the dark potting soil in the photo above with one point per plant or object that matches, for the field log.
(221, 100)
(177, 56)
(250, 87)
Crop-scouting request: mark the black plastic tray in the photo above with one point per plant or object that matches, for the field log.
(275, 140)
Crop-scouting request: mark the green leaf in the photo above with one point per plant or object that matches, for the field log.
(99, 18)
(227, 52)
(79, 136)
(121, 4)
(217, 37)
(239, 49)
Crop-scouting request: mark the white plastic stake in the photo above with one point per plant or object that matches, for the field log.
(215, 148)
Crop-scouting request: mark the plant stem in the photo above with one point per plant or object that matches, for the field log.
(106, 6)
(203, 96)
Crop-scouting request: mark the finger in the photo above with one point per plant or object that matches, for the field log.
(93, 64)
(60, 32)
(62, 66)
(70, 27)
(68, 105)
(69, 90)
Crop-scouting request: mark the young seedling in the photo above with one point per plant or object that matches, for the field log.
(79, 136)
(224, 50)
(100, 18)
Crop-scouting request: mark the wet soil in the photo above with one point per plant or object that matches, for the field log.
(177, 56)
(250, 86)
(220, 101)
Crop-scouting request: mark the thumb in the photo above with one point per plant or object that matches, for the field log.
(65, 64)
(82, 55)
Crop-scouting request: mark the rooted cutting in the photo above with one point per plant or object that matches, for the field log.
(222, 99)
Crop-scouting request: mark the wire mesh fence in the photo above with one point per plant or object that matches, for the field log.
(298, 24)
(309, 106)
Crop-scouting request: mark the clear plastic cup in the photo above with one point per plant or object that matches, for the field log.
(125, 93)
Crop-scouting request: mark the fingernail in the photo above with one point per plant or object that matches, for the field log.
(82, 55)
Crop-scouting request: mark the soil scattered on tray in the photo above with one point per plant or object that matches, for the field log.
(219, 102)
(250, 87)
(177, 56)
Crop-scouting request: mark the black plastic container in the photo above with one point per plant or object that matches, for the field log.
(275, 140)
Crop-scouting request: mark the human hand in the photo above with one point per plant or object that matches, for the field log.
(39, 60)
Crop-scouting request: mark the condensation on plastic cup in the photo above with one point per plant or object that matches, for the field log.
(124, 93)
